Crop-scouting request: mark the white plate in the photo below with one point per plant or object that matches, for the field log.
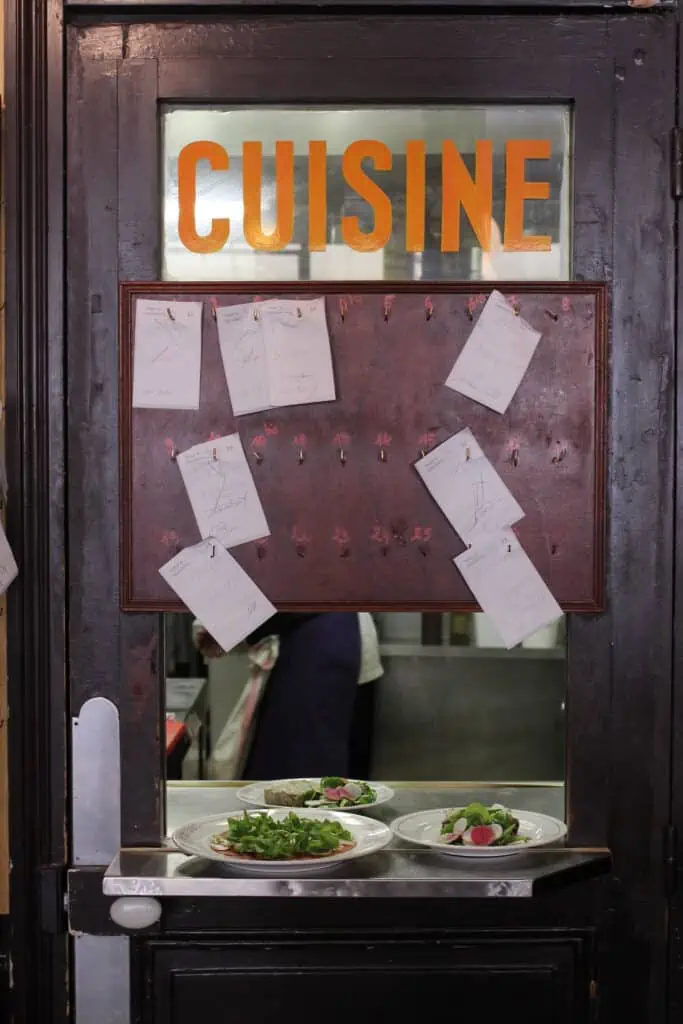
(370, 836)
(253, 795)
(424, 828)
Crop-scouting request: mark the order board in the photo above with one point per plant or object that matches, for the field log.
(351, 524)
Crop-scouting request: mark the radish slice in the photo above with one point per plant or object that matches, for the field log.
(352, 790)
(456, 832)
(482, 835)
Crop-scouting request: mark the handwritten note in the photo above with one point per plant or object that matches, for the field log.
(8, 566)
(508, 587)
(298, 351)
(222, 492)
(243, 351)
(467, 488)
(276, 353)
(496, 356)
(218, 592)
(167, 358)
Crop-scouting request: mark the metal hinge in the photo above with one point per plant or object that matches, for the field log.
(53, 917)
(677, 163)
(670, 860)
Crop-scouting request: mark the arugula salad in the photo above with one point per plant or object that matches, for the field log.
(330, 791)
(479, 825)
(261, 837)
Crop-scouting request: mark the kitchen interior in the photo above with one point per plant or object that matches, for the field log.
(452, 705)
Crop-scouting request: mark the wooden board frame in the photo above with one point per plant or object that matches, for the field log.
(428, 584)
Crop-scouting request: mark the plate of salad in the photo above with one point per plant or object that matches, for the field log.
(331, 791)
(282, 841)
(479, 830)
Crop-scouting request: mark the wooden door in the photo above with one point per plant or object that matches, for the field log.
(617, 73)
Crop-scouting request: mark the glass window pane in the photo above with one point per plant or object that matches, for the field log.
(464, 133)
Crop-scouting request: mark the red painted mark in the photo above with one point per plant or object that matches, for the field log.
(258, 442)
(169, 538)
(565, 304)
(474, 302)
(271, 429)
(383, 440)
(388, 303)
(380, 535)
(341, 537)
(214, 303)
(213, 436)
(429, 307)
(341, 440)
(427, 440)
(514, 302)
(299, 536)
(257, 298)
(421, 534)
(300, 441)
(170, 446)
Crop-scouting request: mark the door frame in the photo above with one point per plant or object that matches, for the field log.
(37, 600)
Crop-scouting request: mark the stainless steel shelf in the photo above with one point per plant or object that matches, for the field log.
(393, 874)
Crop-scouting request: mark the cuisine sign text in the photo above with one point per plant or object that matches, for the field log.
(460, 189)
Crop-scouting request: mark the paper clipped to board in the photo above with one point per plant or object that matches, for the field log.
(8, 566)
(508, 587)
(276, 353)
(222, 492)
(218, 592)
(495, 357)
(467, 488)
(167, 355)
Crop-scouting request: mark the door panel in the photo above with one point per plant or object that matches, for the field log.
(393, 980)
(353, 74)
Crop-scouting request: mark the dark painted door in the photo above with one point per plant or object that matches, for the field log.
(617, 75)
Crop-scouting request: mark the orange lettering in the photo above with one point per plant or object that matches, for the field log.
(415, 196)
(281, 235)
(474, 195)
(188, 158)
(357, 179)
(517, 189)
(317, 196)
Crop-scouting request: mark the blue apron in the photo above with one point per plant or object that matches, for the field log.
(305, 717)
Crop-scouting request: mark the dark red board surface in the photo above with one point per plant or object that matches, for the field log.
(365, 532)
